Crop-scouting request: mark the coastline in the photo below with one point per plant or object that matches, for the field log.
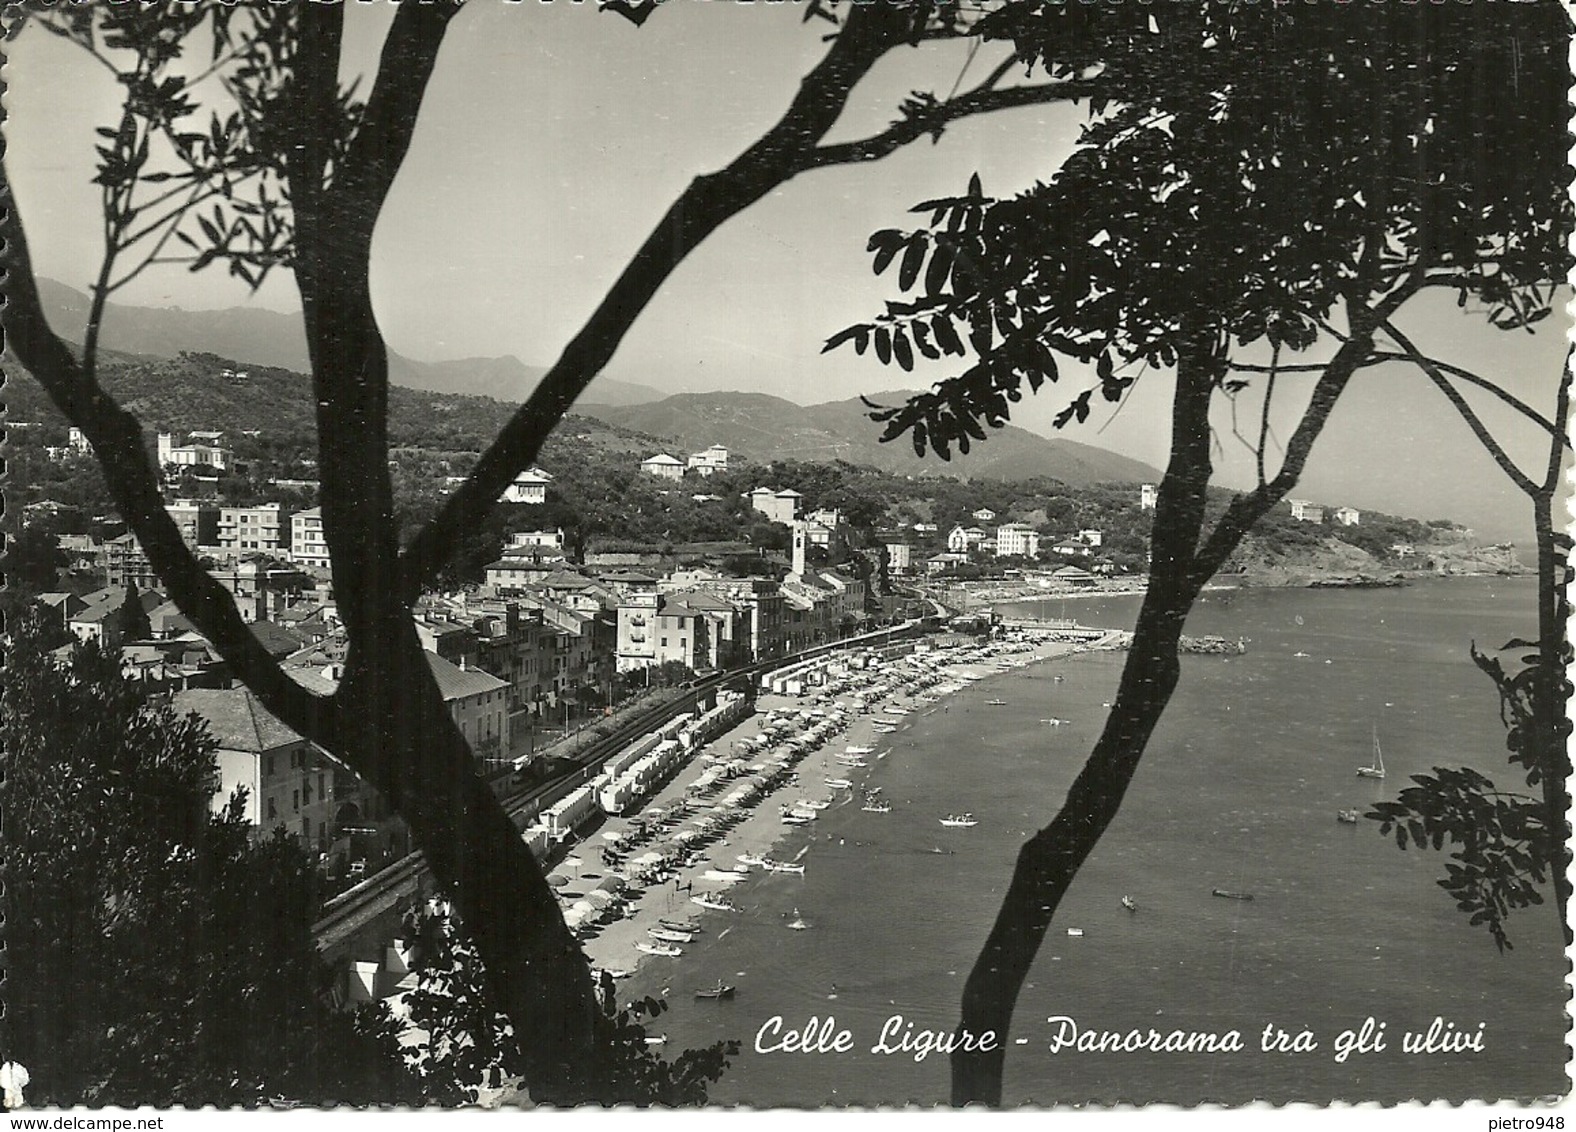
(612, 947)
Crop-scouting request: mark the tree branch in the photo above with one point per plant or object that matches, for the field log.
(405, 66)
(1482, 383)
(1453, 395)
(983, 99)
(1264, 417)
(784, 151)
(117, 440)
(1245, 509)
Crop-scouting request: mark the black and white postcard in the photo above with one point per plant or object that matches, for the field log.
(800, 555)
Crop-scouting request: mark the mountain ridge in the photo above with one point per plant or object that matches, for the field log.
(762, 427)
(260, 337)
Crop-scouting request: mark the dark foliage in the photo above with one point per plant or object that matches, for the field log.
(155, 955)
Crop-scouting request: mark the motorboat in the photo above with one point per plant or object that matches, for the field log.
(995, 703)
(1346, 817)
(1075, 932)
(960, 821)
(721, 990)
(873, 807)
(716, 904)
(1228, 894)
(666, 949)
(1129, 903)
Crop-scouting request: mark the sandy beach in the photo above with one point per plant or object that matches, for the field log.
(850, 710)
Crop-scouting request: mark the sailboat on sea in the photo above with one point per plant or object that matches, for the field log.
(1376, 768)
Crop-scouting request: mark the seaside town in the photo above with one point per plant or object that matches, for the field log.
(549, 664)
(653, 718)
(576, 606)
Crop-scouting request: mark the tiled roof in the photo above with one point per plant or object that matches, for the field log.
(276, 639)
(458, 683)
(98, 611)
(235, 718)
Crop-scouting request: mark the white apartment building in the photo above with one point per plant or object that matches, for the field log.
(307, 547)
(265, 528)
(1017, 539)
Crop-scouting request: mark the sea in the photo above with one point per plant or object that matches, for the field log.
(1238, 790)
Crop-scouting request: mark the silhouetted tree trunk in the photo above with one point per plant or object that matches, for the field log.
(1180, 564)
(387, 720)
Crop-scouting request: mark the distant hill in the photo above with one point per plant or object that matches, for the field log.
(762, 428)
(257, 337)
(191, 392)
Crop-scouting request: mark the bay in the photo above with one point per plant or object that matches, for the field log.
(1238, 790)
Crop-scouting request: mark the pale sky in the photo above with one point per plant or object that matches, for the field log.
(552, 139)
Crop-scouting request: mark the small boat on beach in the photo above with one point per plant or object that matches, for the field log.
(751, 859)
(859, 750)
(1228, 894)
(666, 949)
(721, 990)
(674, 926)
(784, 867)
(839, 784)
(716, 904)
(667, 935)
(960, 821)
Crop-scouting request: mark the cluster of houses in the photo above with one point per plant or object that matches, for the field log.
(709, 462)
(1301, 509)
(514, 658)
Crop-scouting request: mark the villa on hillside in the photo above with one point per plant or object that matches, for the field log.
(777, 506)
(663, 466)
(714, 459)
(529, 486)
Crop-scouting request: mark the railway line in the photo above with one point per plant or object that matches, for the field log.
(359, 908)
